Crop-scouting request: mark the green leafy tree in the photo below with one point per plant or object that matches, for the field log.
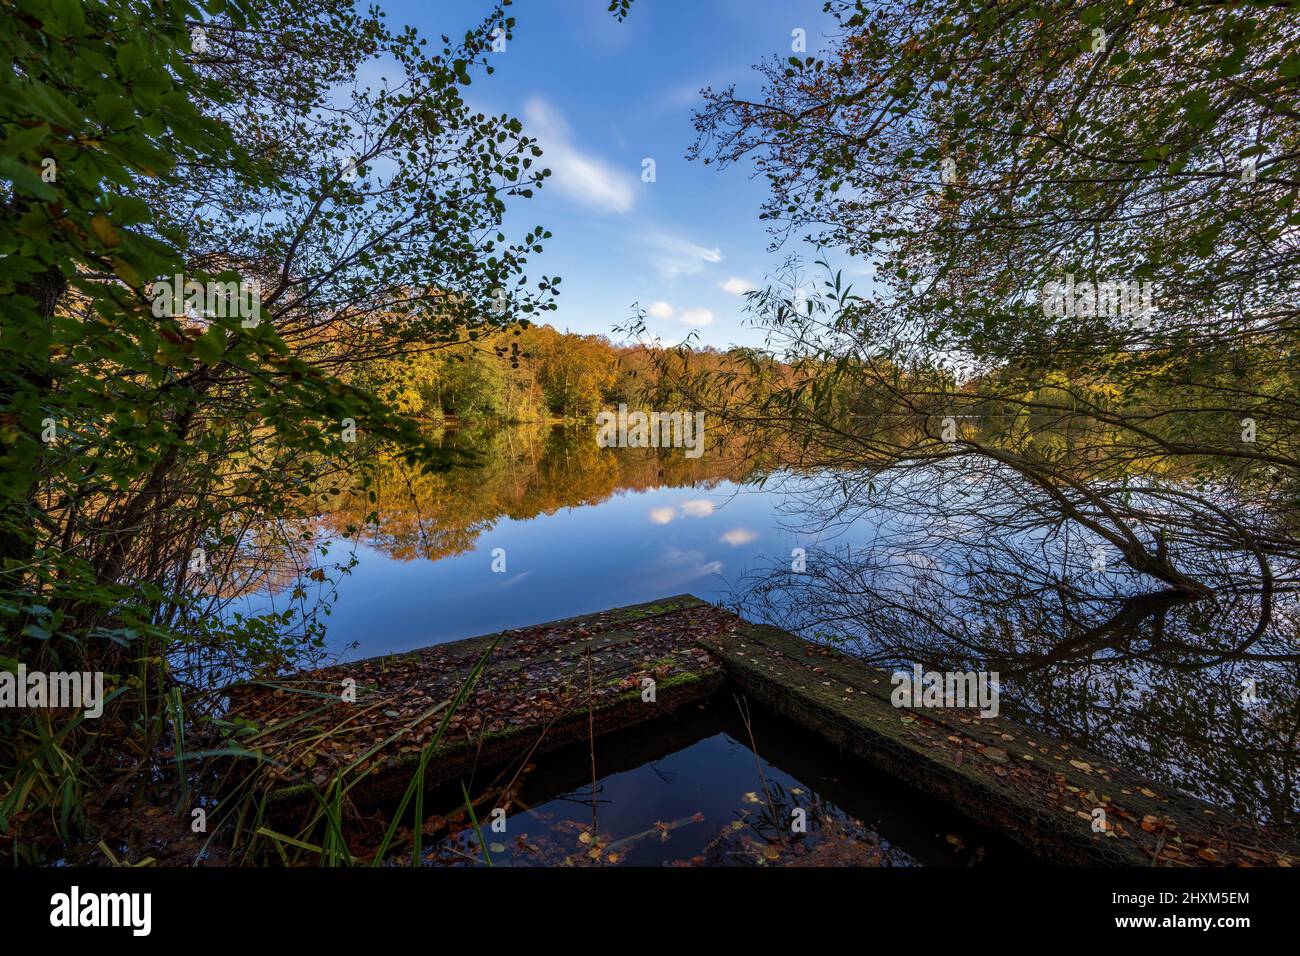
(228, 143)
(974, 155)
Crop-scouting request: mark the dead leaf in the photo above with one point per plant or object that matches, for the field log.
(105, 231)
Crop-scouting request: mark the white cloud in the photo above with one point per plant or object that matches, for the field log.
(696, 508)
(661, 310)
(738, 536)
(682, 96)
(735, 286)
(685, 566)
(696, 317)
(585, 178)
(674, 256)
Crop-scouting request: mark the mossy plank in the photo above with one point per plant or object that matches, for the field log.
(532, 696)
(1003, 774)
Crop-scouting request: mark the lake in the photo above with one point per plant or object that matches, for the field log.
(631, 547)
(928, 567)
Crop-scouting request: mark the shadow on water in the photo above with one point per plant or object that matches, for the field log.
(686, 789)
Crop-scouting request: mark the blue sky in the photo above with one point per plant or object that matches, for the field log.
(602, 96)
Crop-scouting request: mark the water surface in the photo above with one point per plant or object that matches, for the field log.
(548, 525)
(952, 568)
(688, 790)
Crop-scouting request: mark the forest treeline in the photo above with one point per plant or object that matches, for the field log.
(533, 372)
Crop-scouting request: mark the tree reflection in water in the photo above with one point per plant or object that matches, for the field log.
(971, 568)
(517, 472)
(965, 566)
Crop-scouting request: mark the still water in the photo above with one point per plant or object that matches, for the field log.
(545, 524)
(634, 546)
(688, 790)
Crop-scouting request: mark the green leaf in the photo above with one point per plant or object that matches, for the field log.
(211, 345)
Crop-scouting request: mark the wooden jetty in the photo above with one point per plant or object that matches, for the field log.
(546, 686)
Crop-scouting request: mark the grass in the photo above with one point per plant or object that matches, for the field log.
(239, 778)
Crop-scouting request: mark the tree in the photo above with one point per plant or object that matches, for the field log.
(990, 159)
(1094, 499)
(211, 142)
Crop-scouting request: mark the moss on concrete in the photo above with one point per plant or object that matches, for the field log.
(1001, 773)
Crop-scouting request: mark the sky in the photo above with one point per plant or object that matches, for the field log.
(602, 97)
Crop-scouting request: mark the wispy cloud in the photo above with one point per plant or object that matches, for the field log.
(695, 508)
(662, 515)
(582, 177)
(513, 580)
(736, 286)
(738, 536)
(674, 256)
(689, 564)
(689, 317)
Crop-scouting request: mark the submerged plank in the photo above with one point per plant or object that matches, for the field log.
(541, 687)
(1044, 793)
(553, 684)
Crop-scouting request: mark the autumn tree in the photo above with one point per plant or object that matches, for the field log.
(984, 158)
(154, 449)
